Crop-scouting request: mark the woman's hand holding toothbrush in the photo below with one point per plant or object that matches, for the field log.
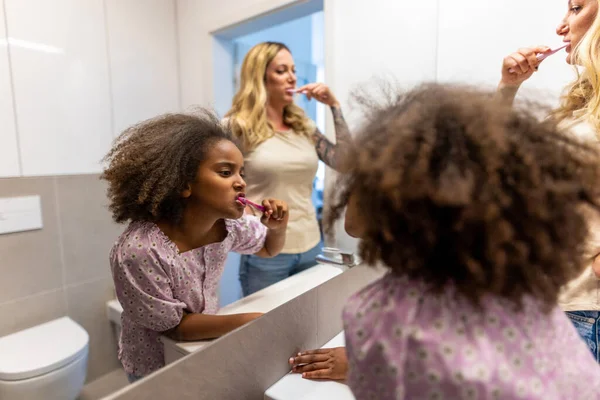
(520, 65)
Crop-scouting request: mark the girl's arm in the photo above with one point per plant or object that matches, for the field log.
(204, 326)
(275, 218)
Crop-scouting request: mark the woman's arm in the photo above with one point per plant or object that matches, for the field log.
(506, 94)
(327, 151)
(596, 266)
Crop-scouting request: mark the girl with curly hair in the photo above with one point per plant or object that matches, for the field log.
(179, 181)
(480, 213)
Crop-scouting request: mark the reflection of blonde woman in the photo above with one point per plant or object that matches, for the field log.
(281, 149)
(579, 113)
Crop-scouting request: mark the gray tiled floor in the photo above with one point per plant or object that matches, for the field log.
(104, 385)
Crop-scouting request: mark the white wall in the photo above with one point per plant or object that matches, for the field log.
(389, 39)
(81, 72)
(60, 78)
(9, 152)
(295, 34)
(383, 39)
(196, 19)
(476, 36)
(143, 59)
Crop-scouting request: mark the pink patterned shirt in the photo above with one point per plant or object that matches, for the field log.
(406, 343)
(155, 283)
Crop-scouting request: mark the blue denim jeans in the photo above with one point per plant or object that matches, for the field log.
(587, 324)
(257, 273)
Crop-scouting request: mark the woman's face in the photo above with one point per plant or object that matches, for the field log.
(280, 78)
(578, 20)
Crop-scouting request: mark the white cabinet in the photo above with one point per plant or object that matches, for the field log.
(142, 45)
(61, 84)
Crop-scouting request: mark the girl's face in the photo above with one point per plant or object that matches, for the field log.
(281, 77)
(353, 222)
(219, 182)
(578, 20)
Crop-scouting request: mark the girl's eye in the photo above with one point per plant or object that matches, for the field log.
(225, 173)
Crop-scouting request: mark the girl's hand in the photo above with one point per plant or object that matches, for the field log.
(321, 364)
(276, 214)
(320, 92)
(523, 63)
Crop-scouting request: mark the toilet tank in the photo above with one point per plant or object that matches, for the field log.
(113, 312)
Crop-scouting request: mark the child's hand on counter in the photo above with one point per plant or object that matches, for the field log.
(321, 364)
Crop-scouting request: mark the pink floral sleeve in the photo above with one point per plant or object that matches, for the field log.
(249, 234)
(142, 285)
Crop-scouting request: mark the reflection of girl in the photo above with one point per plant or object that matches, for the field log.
(281, 150)
(477, 210)
(579, 113)
(177, 179)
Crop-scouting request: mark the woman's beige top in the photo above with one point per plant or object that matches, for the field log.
(583, 293)
(284, 167)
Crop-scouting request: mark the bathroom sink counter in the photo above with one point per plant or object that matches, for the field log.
(294, 387)
(262, 301)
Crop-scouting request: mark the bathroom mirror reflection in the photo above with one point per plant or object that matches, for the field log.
(101, 67)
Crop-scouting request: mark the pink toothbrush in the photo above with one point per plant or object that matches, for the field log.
(247, 202)
(294, 91)
(543, 56)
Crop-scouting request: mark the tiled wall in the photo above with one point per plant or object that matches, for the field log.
(246, 362)
(61, 269)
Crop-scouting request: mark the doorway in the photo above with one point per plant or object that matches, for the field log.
(301, 29)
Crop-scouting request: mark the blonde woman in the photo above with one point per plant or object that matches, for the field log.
(282, 147)
(578, 113)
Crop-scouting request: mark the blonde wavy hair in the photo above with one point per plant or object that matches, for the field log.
(582, 97)
(248, 114)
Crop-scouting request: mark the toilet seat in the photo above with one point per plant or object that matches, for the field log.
(42, 349)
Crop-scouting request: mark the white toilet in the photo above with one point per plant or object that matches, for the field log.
(48, 362)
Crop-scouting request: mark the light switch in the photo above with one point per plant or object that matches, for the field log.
(19, 214)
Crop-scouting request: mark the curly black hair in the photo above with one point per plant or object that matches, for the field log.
(463, 190)
(152, 162)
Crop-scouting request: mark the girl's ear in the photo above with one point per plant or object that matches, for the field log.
(187, 192)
